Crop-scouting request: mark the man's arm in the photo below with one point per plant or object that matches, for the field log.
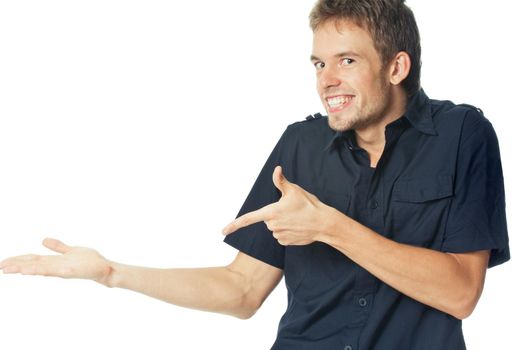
(448, 282)
(451, 283)
(237, 289)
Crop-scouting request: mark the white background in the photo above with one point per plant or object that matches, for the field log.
(138, 128)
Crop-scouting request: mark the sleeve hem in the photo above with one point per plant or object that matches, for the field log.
(499, 253)
(265, 259)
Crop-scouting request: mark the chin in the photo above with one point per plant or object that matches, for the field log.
(340, 124)
(346, 123)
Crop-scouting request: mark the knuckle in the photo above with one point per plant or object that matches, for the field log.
(312, 196)
(283, 242)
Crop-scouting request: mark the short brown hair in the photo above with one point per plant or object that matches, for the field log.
(391, 24)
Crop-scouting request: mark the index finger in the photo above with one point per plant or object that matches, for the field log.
(250, 218)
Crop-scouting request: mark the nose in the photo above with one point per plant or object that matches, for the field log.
(329, 77)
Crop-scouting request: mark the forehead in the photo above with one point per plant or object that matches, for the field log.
(333, 37)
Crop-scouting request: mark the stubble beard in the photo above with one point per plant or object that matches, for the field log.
(359, 119)
(357, 122)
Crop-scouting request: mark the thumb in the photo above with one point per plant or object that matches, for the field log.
(56, 245)
(280, 181)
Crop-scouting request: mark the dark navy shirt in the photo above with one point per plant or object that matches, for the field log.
(438, 185)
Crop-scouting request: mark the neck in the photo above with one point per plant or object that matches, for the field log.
(372, 138)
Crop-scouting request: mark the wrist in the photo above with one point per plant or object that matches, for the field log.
(110, 275)
(331, 221)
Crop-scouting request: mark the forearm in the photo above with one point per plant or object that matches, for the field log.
(434, 278)
(216, 289)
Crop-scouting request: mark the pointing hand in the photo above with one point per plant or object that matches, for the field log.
(298, 218)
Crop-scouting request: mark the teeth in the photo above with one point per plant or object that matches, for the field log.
(337, 101)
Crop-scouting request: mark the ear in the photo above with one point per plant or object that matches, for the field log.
(399, 68)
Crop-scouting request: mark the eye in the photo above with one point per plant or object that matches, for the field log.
(347, 61)
(319, 65)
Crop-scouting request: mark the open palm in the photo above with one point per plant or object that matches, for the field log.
(73, 262)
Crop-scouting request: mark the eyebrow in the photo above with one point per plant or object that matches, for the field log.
(339, 55)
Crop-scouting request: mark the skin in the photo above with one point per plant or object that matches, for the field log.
(347, 65)
(237, 289)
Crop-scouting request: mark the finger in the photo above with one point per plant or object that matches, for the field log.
(34, 265)
(17, 259)
(279, 238)
(250, 218)
(26, 269)
(56, 245)
(18, 263)
(10, 269)
(43, 269)
(280, 180)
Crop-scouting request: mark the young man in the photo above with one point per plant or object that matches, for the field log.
(383, 216)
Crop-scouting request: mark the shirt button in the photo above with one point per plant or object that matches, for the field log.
(374, 204)
(363, 302)
(348, 347)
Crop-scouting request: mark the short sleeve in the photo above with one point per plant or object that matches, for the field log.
(477, 219)
(256, 240)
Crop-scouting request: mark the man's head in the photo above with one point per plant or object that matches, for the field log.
(386, 34)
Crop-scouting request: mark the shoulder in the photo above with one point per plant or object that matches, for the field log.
(445, 108)
(314, 128)
(312, 121)
(461, 119)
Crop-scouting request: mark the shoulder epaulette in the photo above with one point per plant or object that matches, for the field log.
(314, 116)
(472, 107)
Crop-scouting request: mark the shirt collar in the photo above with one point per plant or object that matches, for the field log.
(418, 113)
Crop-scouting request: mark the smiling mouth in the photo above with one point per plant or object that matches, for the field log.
(338, 103)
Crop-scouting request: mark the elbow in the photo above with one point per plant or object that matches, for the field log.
(247, 309)
(463, 307)
(462, 313)
(469, 284)
(244, 314)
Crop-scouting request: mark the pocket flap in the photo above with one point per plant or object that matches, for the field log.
(423, 190)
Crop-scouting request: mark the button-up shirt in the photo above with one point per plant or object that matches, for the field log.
(437, 185)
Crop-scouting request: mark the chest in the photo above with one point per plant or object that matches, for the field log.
(405, 198)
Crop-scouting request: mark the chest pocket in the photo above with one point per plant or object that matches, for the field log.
(419, 209)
